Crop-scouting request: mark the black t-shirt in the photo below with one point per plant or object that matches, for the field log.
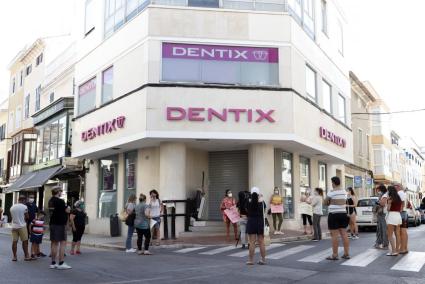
(58, 215)
(80, 217)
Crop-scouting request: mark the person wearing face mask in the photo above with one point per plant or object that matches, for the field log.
(78, 223)
(143, 214)
(317, 204)
(32, 212)
(277, 201)
(227, 203)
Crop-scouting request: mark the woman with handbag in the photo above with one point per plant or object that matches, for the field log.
(255, 226)
(129, 221)
(227, 203)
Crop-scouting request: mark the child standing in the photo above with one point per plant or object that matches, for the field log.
(37, 231)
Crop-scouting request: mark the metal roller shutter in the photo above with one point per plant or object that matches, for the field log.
(227, 170)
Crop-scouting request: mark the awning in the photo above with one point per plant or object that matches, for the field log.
(33, 179)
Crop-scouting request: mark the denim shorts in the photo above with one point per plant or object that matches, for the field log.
(158, 222)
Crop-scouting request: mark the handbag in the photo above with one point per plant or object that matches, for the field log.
(123, 215)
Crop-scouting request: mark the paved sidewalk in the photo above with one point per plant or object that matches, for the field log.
(117, 243)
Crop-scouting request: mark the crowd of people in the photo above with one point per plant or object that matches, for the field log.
(341, 205)
(247, 215)
(28, 224)
(145, 218)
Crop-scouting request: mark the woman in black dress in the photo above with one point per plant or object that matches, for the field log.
(255, 228)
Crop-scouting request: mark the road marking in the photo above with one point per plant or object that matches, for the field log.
(413, 261)
(246, 252)
(288, 252)
(218, 250)
(365, 258)
(320, 256)
(186, 250)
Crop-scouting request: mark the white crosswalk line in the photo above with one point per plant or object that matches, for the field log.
(413, 261)
(186, 250)
(288, 252)
(365, 258)
(246, 252)
(320, 256)
(219, 250)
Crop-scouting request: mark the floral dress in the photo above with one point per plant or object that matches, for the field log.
(227, 203)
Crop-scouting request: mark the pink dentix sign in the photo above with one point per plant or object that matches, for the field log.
(225, 114)
(104, 128)
(220, 52)
(332, 137)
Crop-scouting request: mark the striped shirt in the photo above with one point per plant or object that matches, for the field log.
(38, 227)
(338, 200)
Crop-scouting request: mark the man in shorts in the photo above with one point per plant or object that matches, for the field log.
(337, 218)
(404, 221)
(19, 214)
(58, 219)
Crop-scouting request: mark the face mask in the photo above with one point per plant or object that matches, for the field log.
(230, 194)
(82, 206)
(31, 200)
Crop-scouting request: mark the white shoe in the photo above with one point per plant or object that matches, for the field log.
(140, 252)
(53, 266)
(132, 250)
(64, 266)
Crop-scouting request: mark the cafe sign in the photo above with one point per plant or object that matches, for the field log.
(103, 129)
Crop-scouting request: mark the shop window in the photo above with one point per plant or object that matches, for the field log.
(283, 179)
(304, 174)
(130, 174)
(108, 187)
(87, 96)
(214, 64)
(51, 143)
(107, 84)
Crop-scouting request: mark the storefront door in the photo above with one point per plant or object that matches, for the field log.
(227, 170)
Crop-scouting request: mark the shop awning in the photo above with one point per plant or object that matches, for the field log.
(33, 179)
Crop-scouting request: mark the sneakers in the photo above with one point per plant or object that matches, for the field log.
(132, 250)
(147, 252)
(53, 266)
(140, 252)
(63, 266)
(355, 237)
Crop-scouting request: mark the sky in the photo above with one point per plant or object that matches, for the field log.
(384, 45)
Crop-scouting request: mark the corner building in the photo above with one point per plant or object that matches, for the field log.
(176, 95)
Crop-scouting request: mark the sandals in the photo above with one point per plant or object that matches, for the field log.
(404, 252)
(249, 263)
(345, 256)
(27, 259)
(392, 254)
(14, 259)
(261, 262)
(332, 257)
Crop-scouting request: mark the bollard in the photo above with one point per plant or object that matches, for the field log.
(165, 218)
(173, 223)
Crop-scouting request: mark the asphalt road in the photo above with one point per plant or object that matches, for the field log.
(301, 262)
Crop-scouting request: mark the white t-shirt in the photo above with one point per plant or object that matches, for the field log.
(155, 208)
(339, 194)
(18, 216)
(402, 195)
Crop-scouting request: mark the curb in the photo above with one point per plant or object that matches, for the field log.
(180, 245)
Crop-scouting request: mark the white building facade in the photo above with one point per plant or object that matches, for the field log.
(209, 95)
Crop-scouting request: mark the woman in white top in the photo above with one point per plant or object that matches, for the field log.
(306, 211)
(317, 203)
(156, 211)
